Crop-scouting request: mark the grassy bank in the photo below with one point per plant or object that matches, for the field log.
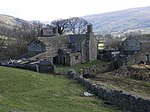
(26, 91)
(125, 84)
(63, 69)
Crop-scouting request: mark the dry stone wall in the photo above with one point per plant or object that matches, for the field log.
(96, 69)
(114, 97)
(41, 66)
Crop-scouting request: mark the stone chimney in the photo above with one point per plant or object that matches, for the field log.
(40, 32)
(55, 31)
(89, 28)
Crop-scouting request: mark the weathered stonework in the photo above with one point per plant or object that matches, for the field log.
(135, 50)
(42, 66)
(68, 49)
(97, 69)
(38, 46)
(114, 97)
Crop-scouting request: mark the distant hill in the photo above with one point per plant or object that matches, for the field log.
(12, 27)
(15, 34)
(135, 18)
(11, 22)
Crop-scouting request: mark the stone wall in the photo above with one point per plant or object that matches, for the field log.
(91, 47)
(45, 66)
(131, 44)
(36, 46)
(114, 97)
(75, 58)
(42, 66)
(55, 43)
(96, 69)
(146, 46)
(138, 58)
(83, 52)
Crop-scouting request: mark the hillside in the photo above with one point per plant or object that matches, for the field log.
(11, 22)
(136, 18)
(129, 79)
(13, 27)
(15, 34)
(26, 91)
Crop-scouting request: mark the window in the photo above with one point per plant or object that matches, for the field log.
(134, 61)
(76, 57)
(147, 58)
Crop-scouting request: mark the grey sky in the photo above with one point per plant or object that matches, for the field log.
(47, 10)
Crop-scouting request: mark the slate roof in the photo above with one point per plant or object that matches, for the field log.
(77, 38)
(73, 40)
(141, 39)
(61, 39)
(35, 40)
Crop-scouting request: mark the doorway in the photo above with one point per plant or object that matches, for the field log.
(55, 60)
(147, 58)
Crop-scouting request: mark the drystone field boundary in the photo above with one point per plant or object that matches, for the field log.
(114, 97)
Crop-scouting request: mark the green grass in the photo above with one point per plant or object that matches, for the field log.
(125, 84)
(27, 91)
(63, 69)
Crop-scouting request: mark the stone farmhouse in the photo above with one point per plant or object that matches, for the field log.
(66, 49)
(135, 50)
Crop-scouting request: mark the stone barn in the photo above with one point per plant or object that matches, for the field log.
(135, 50)
(67, 49)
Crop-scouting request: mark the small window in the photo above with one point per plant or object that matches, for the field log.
(76, 57)
(134, 61)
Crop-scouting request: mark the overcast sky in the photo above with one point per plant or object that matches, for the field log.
(47, 10)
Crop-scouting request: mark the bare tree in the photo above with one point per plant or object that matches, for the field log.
(77, 25)
(36, 28)
(17, 39)
(61, 24)
(112, 43)
(73, 25)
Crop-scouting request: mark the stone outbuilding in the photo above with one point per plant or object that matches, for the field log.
(67, 49)
(135, 50)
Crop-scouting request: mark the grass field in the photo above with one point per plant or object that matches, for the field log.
(63, 69)
(125, 84)
(26, 91)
